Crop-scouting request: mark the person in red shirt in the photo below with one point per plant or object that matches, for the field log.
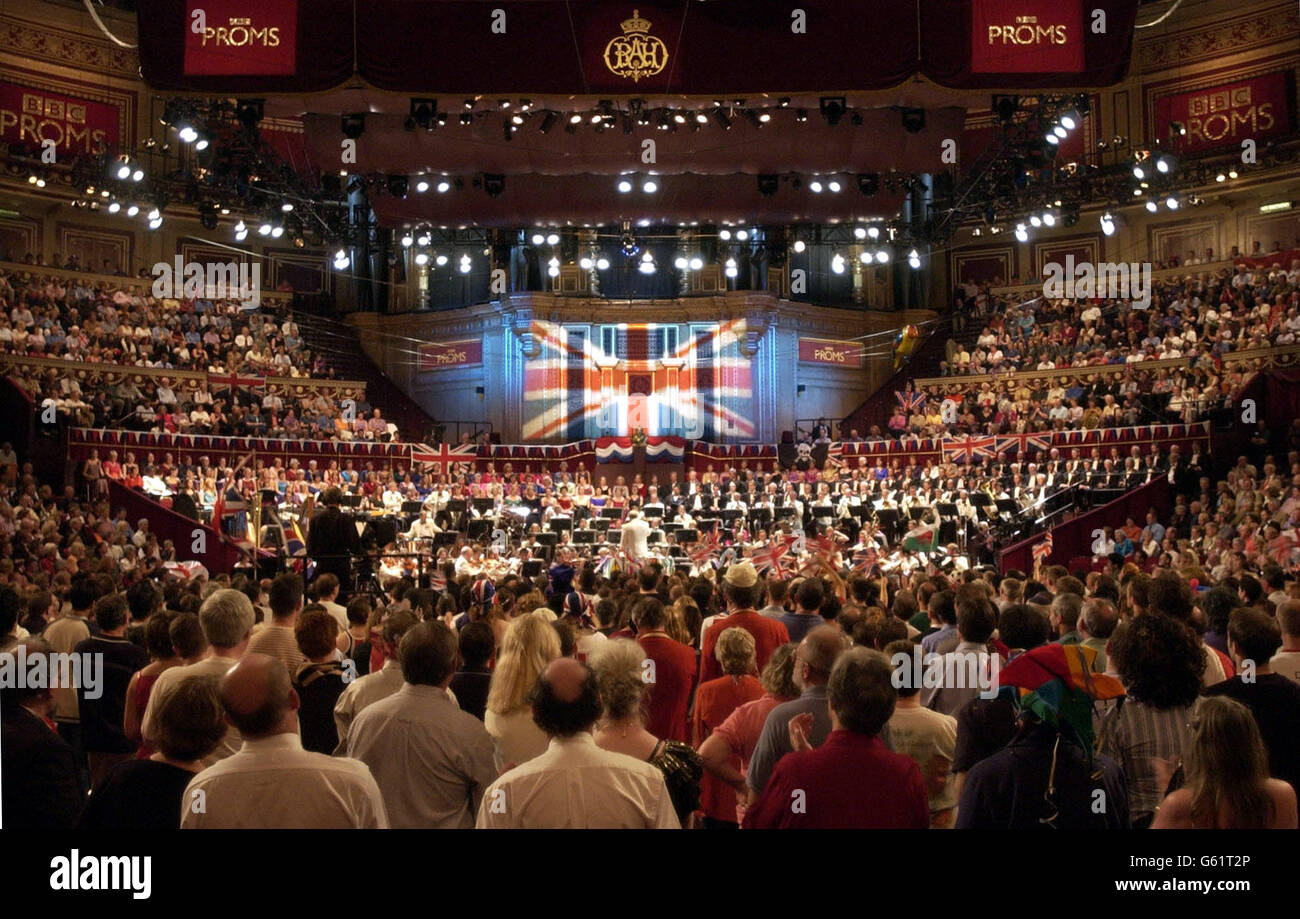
(743, 592)
(714, 703)
(673, 675)
(852, 781)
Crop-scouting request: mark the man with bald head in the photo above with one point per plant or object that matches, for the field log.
(812, 667)
(575, 784)
(272, 782)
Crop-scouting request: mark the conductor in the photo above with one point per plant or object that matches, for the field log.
(332, 539)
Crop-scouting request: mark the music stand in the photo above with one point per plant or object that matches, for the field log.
(784, 511)
(532, 568)
(479, 529)
(611, 513)
(916, 513)
(412, 507)
(686, 537)
(947, 510)
(350, 501)
(731, 516)
(444, 539)
(456, 506)
(707, 525)
(761, 517)
(559, 525)
(653, 538)
(861, 511)
(483, 505)
(822, 510)
(614, 535)
(1008, 506)
(600, 523)
(671, 527)
(550, 540)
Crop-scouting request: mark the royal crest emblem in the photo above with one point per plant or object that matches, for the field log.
(636, 53)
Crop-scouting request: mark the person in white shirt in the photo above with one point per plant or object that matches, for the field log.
(575, 784)
(635, 535)
(432, 761)
(272, 782)
(423, 528)
(327, 594)
(226, 618)
(377, 685)
(1287, 659)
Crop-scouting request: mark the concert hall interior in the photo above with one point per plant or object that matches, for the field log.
(704, 329)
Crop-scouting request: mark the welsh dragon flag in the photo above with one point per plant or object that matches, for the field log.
(924, 537)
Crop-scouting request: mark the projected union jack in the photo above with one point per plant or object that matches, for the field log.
(608, 380)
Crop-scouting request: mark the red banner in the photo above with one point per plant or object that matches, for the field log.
(1224, 116)
(828, 351)
(445, 355)
(241, 37)
(1027, 36)
(32, 116)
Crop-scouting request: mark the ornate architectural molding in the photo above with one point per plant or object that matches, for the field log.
(66, 48)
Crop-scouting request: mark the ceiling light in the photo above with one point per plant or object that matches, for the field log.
(650, 186)
(422, 186)
(624, 186)
(553, 239)
(697, 263)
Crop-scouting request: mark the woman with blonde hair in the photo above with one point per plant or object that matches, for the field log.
(715, 700)
(1228, 785)
(619, 666)
(530, 644)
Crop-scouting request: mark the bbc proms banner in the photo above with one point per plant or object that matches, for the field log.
(1225, 115)
(1027, 36)
(829, 351)
(241, 37)
(447, 355)
(30, 116)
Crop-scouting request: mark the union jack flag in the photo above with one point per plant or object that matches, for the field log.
(638, 376)
(703, 552)
(443, 456)
(771, 556)
(967, 448)
(865, 559)
(1024, 443)
(1043, 549)
(438, 580)
(910, 401)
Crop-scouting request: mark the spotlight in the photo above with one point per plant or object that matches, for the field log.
(914, 259)
(137, 174)
(602, 263)
(801, 115)
(624, 186)
(731, 269)
(1164, 164)
(629, 245)
(650, 186)
(647, 266)
(815, 186)
(249, 112)
(834, 185)
(466, 118)
(201, 142)
(264, 228)
(187, 133)
(742, 235)
(864, 258)
(837, 263)
(832, 109)
(465, 264)
(134, 209)
(859, 232)
(553, 239)
(124, 169)
(153, 214)
(1139, 172)
(764, 117)
(441, 260)
(407, 239)
(681, 263)
(341, 260)
(752, 117)
(241, 231)
(422, 186)
(548, 122)
(869, 183)
(697, 263)
(1220, 177)
(1152, 206)
(701, 118)
(768, 184)
(800, 245)
(873, 232)
(720, 117)
(1022, 235)
(494, 184)
(398, 186)
(1049, 219)
(1060, 132)
(882, 256)
(208, 216)
(913, 120)
(1070, 120)
(277, 232)
(1232, 173)
(586, 263)
(1107, 224)
(539, 239)
(424, 239)
(114, 208)
(724, 234)
(155, 223)
(422, 258)
(679, 118)
(1051, 138)
(354, 125)
(1172, 203)
(1035, 221)
(443, 187)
